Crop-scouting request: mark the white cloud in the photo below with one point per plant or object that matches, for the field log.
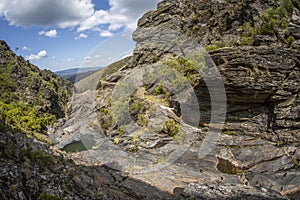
(80, 36)
(99, 17)
(80, 14)
(60, 13)
(40, 55)
(87, 59)
(121, 14)
(26, 48)
(106, 33)
(50, 33)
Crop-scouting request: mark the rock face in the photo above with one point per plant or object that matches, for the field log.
(258, 61)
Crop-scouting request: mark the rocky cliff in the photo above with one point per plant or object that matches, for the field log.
(252, 47)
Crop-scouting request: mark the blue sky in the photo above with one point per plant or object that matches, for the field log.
(62, 34)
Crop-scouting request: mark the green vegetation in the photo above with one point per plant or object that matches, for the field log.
(138, 111)
(136, 107)
(30, 99)
(116, 140)
(247, 41)
(180, 137)
(143, 120)
(155, 58)
(159, 89)
(24, 117)
(188, 67)
(135, 140)
(121, 131)
(272, 21)
(221, 44)
(45, 196)
(211, 47)
(106, 119)
(275, 19)
(171, 127)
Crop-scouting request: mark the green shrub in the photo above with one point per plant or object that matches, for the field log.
(45, 196)
(289, 40)
(275, 19)
(135, 140)
(159, 89)
(121, 130)
(24, 117)
(171, 127)
(247, 41)
(211, 47)
(186, 67)
(143, 120)
(136, 107)
(155, 58)
(272, 20)
(116, 140)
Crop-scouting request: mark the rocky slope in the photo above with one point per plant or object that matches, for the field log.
(255, 48)
(30, 99)
(32, 170)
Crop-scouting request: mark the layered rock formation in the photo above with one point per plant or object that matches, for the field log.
(255, 47)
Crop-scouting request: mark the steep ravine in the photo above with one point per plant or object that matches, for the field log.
(30, 166)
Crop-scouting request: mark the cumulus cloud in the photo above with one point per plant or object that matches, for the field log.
(50, 33)
(61, 13)
(80, 36)
(40, 55)
(80, 14)
(106, 33)
(121, 14)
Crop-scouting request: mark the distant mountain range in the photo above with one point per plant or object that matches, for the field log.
(76, 74)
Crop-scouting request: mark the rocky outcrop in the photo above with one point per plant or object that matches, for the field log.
(257, 151)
